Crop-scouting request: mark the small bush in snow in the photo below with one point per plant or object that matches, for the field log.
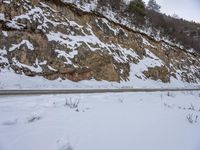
(66, 147)
(192, 118)
(170, 94)
(191, 107)
(72, 103)
(189, 118)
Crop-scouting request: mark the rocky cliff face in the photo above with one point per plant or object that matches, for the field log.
(40, 38)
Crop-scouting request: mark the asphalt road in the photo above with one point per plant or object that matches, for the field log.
(82, 91)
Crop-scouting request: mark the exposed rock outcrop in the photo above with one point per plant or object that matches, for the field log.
(40, 38)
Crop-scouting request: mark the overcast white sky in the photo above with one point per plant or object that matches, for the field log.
(187, 9)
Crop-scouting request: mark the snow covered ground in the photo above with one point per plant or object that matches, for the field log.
(10, 80)
(122, 121)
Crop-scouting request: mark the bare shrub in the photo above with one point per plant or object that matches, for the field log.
(66, 147)
(192, 118)
(72, 103)
(191, 107)
(170, 94)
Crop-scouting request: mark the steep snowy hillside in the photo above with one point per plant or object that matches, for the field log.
(72, 42)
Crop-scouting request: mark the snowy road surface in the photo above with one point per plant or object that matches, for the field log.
(120, 121)
(81, 91)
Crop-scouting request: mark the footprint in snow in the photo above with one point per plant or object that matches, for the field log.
(10, 122)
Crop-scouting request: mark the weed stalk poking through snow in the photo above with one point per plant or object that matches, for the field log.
(72, 103)
(192, 119)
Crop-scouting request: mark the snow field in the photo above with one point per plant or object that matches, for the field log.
(128, 121)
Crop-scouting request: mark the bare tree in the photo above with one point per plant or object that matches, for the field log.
(152, 4)
(114, 4)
